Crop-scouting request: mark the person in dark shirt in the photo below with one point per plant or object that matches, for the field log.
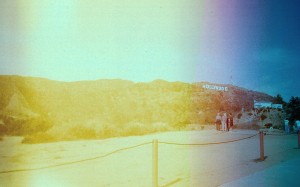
(229, 122)
(218, 121)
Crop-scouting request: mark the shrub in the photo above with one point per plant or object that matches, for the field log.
(3, 129)
(138, 128)
(239, 115)
(255, 127)
(40, 137)
(81, 132)
(135, 128)
(263, 117)
(160, 127)
(246, 126)
(108, 131)
(20, 127)
(268, 125)
(280, 127)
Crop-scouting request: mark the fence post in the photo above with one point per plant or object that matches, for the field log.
(155, 163)
(262, 156)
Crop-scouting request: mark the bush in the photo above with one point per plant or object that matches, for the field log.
(268, 125)
(21, 127)
(3, 129)
(239, 115)
(81, 132)
(108, 131)
(259, 110)
(160, 127)
(246, 126)
(280, 127)
(255, 127)
(135, 128)
(40, 137)
(263, 117)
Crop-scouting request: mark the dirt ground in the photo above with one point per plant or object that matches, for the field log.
(87, 163)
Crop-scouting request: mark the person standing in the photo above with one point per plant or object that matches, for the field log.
(286, 125)
(224, 120)
(218, 121)
(229, 121)
(297, 126)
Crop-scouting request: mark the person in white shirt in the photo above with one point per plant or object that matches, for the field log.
(224, 120)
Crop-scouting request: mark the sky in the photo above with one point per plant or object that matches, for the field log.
(251, 44)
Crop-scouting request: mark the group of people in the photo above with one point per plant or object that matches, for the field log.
(224, 122)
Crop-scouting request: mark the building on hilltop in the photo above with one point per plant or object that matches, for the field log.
(266, 104)
(280, 106)
(262, 104)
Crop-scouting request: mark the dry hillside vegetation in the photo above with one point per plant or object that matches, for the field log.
(42, 110)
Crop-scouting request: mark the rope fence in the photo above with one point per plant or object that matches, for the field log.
(209, 143)
(75, 162)
(155, 144)
(119, 150)
(280, 134)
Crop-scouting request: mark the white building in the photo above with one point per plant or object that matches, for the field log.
(262, 104)
(277, 106)
(265, 104)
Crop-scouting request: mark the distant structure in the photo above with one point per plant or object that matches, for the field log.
(277, 106)
(264, 104)
(214, 87)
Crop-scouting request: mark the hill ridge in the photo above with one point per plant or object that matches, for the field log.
(111, 105)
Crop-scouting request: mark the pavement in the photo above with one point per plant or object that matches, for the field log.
(286, 173)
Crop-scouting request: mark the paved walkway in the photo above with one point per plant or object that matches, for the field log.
(286, 173)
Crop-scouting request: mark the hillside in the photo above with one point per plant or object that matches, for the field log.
(49, 110)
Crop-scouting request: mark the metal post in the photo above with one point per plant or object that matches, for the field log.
(262, 156)
(155, 163)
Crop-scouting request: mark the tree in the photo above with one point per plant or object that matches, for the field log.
(278, 100)
(293, 109)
